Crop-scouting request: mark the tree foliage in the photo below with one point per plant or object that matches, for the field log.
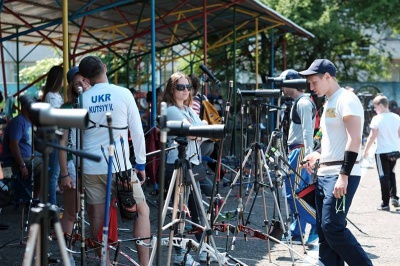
(345, 32)
(40, 68)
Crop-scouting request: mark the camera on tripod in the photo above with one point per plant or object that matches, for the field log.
(42, 114)
(278, 84)
(182, 129)
(301, 84)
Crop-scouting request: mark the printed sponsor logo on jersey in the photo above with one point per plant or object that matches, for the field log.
(330, 113)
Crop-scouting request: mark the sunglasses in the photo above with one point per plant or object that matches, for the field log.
(182, 87)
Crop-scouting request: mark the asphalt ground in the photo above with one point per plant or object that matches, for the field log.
(375, 230)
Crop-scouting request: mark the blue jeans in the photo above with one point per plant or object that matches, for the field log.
(53, 174)
(337, 243)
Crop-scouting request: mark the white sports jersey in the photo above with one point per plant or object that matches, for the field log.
(334, 138)
(99, 100)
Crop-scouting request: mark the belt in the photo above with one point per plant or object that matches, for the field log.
(295, 146)
(333, 163)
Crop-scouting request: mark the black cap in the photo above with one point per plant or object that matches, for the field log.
(320, 66)
(71, 73)
(290, 74)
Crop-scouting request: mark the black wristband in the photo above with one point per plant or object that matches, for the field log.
(350, 158)
(64, 176)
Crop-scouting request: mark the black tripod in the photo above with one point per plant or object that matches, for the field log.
(182, 184)
(44, 213)
(261, 170)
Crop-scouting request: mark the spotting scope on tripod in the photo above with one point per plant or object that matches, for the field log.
(46, 120)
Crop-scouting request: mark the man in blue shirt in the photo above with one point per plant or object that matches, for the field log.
(17, 152)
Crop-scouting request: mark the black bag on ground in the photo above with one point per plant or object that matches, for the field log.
(393, 156)
(275, 230)
(126, 202)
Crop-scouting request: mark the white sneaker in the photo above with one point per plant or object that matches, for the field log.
(203, 257)
(189, 260)
(395, 202)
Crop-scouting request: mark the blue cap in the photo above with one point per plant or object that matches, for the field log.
(320, 66)
(290, 74)
(71, 73)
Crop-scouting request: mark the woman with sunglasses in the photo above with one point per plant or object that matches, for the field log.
(177, 95)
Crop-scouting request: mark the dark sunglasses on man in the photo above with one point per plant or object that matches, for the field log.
(182, 87)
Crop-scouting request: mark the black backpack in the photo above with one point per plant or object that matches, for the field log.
(295, 114)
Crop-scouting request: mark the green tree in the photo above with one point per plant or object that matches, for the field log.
(40, 68)
(344, 33)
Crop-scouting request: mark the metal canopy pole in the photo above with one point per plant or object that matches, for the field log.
(205, 40)
(257, 52)
(65, 49)
(58, 21)
(3, 66)
(235, 98)
(17, 60)
(153, 64)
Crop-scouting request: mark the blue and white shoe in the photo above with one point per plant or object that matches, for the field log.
(312, 237)
(296, 240)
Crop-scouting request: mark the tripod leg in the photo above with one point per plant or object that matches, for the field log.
(174, 184)
(273, 189)
(202, 210)
(168, 196)
(61, 242)
(266, 222)
(30, 244)
(234, 182)
(296, 214)
(35, 239)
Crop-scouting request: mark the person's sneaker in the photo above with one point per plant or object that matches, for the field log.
(312, 239)
(395, 202)
(384, 208)
(189, 260)
(203, 257)
(296, 240)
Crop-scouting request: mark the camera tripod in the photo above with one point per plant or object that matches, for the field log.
(44, 213)
(261, 170)
(182, 184)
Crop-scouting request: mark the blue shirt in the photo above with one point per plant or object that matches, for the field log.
(20, 130)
